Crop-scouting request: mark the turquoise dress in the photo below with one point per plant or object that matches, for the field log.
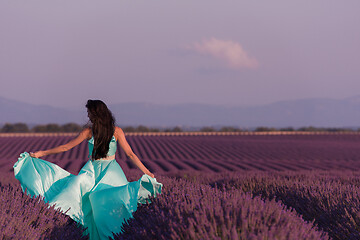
(99, 197)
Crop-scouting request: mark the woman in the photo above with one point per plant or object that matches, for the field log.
(99, 197)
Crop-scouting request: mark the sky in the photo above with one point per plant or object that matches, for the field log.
(238, 53)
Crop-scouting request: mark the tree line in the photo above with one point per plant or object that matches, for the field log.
(306, 129)
(51, 127)
(74, 127)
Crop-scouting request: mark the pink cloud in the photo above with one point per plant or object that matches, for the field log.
(231, 52)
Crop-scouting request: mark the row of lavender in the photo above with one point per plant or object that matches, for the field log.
(190, 210)
(186, 209)
(330, 199)
(197, 205)
(207, 153)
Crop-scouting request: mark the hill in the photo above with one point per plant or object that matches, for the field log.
(319, 112)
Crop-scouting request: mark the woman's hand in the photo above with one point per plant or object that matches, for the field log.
(37, 154)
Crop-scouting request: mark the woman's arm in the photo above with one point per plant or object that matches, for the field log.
(120, 136)
(84, 134)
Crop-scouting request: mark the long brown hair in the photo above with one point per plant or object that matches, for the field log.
(102, 126)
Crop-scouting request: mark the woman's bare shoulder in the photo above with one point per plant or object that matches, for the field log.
(86, 132)
(118, 132)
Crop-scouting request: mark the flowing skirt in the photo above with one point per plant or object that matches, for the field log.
(99, 197)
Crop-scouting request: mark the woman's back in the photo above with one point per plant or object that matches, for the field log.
(112, 147)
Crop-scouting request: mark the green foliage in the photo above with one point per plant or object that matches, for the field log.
(207, 129)
(71, 127)
(322, 129)
(309, 129)
(51, 127)
(287, 129)
(154, 130)
(265, 129)
(338, 130)
(177, 129)
(16, 127)
(142, 128)
(230, 129)
(128, 129)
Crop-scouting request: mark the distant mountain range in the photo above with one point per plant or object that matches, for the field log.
(319, 112)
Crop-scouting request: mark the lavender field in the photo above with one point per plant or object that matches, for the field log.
(244, 186)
